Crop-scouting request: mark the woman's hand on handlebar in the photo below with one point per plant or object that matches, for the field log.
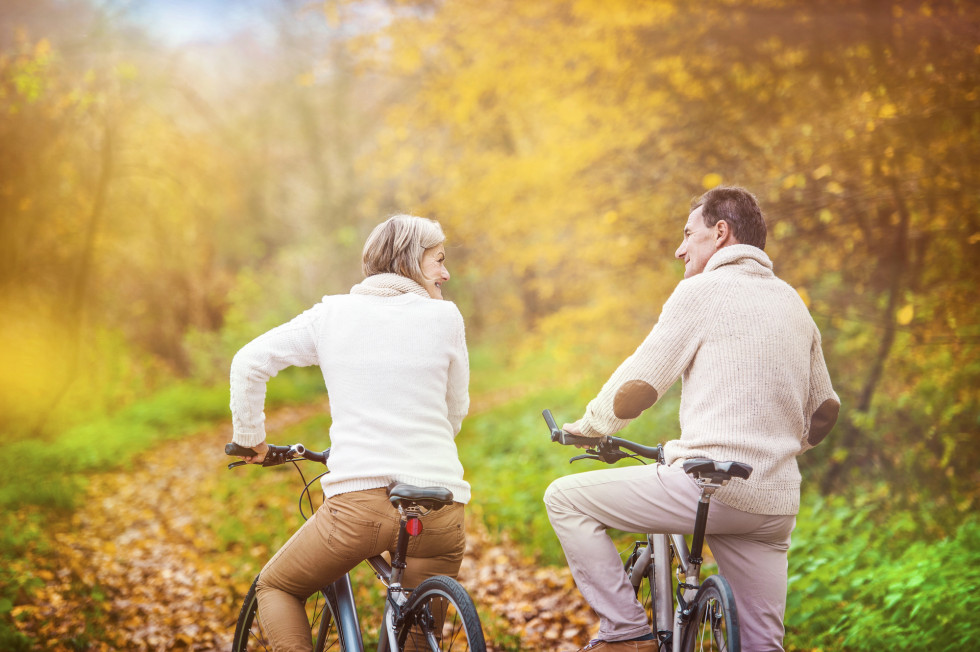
(261, 450)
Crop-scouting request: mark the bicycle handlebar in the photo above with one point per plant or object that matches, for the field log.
(605, 448)
(277, 454)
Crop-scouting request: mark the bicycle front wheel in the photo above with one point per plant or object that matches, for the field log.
(250, 634)
(714, 620)
(440, 615)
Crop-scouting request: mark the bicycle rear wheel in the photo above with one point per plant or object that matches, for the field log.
(251, 635)
(440, 615)
(714, 620)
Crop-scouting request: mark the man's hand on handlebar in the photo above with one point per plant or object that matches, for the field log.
(575, 429)
(607, 448)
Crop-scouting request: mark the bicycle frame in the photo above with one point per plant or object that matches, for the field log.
(383, 570)
(658, 553)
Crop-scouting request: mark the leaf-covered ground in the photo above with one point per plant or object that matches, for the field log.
(141, 567)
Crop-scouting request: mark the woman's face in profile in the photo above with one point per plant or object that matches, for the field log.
(434, 270)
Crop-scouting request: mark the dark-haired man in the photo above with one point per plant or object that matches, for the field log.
(755, 389)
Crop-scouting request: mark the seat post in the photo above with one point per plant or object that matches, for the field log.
(708, 487)
(398, 562)
(700, 524)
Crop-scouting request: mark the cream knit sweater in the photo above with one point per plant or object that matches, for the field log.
(755, 386)
(396, 369)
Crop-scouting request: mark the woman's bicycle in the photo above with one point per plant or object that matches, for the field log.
(704, 615)
(438, 614)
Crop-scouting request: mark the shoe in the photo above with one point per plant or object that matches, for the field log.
(596, 645)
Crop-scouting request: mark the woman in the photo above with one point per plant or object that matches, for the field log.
(394, 359)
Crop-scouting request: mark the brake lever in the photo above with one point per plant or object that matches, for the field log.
(594, 456)
(612, 456)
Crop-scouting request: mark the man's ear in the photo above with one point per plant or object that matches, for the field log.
(723, 235)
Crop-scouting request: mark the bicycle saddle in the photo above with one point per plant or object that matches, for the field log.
(717, 471)
(427, 497)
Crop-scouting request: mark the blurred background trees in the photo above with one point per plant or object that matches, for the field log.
(563, 141)
(161, 204)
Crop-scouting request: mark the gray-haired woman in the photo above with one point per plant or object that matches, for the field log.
(395, 364)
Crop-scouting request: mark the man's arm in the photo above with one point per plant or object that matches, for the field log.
(823, 404)
(655, 365)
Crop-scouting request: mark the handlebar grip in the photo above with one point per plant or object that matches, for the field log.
(232, 448)
(569, 439)
(565, 438)
(556, 432)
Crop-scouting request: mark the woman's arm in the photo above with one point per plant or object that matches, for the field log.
(457, 393)
(290, 345)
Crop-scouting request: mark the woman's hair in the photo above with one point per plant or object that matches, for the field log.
(396, 246)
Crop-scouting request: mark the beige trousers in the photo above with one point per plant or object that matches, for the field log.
(347, 529)
(751, 549)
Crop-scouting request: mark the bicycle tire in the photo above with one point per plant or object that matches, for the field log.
(436, 599)
(714, 619)
(250, 635)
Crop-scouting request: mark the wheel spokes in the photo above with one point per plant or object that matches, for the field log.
(712, 628)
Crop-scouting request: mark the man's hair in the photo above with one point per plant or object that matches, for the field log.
(739, 208)
(396, 246)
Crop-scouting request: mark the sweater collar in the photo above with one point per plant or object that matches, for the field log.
(388, 285)
(738, 254)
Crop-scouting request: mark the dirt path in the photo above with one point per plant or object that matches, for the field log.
(134, 569)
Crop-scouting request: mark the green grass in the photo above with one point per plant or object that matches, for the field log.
(864, 576)
(51, 474)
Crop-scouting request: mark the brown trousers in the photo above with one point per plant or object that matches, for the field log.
(347, 529)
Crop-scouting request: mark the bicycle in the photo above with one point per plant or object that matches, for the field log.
(438, 614)
(705, 617)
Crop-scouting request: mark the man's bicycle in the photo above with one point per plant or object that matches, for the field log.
(704, 615)
(438, 614)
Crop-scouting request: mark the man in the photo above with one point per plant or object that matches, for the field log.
(755, 389)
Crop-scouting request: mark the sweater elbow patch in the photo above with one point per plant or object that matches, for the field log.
(822, 421)
(632, 398)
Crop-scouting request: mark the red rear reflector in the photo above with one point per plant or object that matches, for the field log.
(414, 527)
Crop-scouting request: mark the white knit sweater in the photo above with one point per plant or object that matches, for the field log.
(396, 369)
(755, 386)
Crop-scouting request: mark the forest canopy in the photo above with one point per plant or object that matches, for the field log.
(157, 213)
